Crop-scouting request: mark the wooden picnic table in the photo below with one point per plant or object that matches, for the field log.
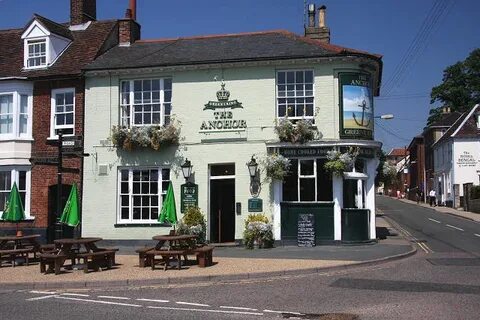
(174, 240)
(13, 247)
(20, 242)
(178, 245)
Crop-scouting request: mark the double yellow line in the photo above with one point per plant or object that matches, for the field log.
(411, 237)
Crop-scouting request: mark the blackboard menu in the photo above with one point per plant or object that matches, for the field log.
(306, 230)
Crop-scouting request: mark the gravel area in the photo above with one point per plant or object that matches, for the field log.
(127, 268)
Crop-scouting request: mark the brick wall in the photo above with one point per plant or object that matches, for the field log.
(129, 31)
(82, 11)
(44, 176)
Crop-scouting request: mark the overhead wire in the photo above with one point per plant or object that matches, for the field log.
(418, 45)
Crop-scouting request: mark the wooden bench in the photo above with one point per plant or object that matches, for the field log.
(166, 255)
(45, 248)
(97, 259)
(53, 260)
(204, 256)
(143, 259)
(12, 254)
(108, 249)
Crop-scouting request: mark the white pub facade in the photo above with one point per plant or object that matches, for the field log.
(227, 93)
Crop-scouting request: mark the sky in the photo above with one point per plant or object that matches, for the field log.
(417, 38)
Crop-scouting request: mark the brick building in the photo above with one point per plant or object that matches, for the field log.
(42, 92)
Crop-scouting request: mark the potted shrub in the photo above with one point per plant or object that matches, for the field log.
(258, 232)
(193, 222)
(276, 166)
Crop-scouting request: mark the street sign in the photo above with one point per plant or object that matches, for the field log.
(188, 196)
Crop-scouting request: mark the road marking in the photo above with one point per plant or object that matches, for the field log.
(101, 302)
(476, 234)
(154, 300)
(454, 227)
(113, 297)
(402, 230)
(193, 304)
(289, 312)
(209, 310)
(238, 308)
(75, 294)
(42, 292)
(41, 298)
(434, 220)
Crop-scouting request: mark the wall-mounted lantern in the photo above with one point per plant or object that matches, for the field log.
(187, 169)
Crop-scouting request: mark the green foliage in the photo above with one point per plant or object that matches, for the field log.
(301, 132)
(460, 87)
(276, 166)
(153, 137)
(475, 192)
(258, 231)
(338, 163)
(193, 222)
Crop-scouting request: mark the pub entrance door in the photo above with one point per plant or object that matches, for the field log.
(222, 203)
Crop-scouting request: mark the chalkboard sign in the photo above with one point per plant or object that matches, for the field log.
(306, 230)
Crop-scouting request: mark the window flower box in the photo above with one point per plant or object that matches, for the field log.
(338, 162)
(300, 132)
(148, 137)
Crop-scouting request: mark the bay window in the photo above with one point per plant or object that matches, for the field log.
(295, 94)
(146, 102)
(141, 192)
(15, 115)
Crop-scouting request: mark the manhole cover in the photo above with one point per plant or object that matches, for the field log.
(323, 316)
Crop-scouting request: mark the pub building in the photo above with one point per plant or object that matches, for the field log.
(219, 99)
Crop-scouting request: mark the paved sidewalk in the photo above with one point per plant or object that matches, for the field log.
(230, 264)
(460, 213)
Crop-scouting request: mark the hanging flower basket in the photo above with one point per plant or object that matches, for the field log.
(276, 166)
(338, 162)
(302, 132)
(149, 137)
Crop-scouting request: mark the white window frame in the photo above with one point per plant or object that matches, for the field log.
(130, 105)
(15, 177)
(28, 43)
(294, 118)
(300, 176)
(161, 192)
(53, 123)
(16, 100)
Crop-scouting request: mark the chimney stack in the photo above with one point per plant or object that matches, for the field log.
(320, 32)
(128, 28)
(82, 11)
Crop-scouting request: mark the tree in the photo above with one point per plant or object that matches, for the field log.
(460, 89)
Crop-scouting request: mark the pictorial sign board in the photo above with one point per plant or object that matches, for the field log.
(306, 230)
(356, 105)
(255, 205)
(188, 196)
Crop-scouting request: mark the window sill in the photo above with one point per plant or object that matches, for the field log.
(27, 219)
(54, 138)
(142, 225)
(7, 139)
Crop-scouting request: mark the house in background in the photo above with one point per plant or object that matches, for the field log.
(416, 168)
(42, 92)
(457, 159)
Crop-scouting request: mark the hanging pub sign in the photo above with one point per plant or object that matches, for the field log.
(223, 119)
(188, 196)
(356, 106)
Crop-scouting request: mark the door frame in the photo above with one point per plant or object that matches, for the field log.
(210, 178)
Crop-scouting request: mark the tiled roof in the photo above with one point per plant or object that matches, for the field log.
(397, 152)
(463, 127)
(52, 26)
(446, 119)
(85, 47)
(241, 47)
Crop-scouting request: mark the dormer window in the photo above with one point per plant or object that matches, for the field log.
(44, 41)
(37, 53)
